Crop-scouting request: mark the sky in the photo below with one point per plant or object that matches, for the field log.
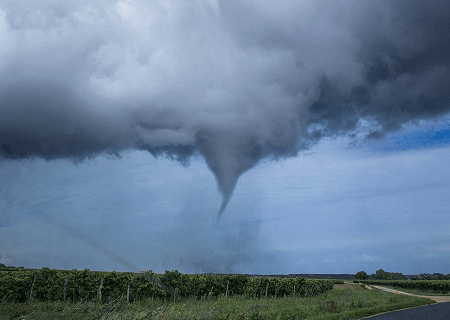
(225, 136)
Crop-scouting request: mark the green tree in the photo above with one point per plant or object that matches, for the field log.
(361, 275)
(380, 275)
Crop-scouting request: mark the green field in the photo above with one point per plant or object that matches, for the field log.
(84, 294)
(343, 303)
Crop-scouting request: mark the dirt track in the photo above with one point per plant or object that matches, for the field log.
(435, 298)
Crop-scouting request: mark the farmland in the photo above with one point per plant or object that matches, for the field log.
(55, 294)
(76, 286)
(416, 286)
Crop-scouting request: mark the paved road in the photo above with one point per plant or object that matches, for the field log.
(439, 311)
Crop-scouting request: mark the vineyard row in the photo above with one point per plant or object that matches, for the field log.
(75, 285)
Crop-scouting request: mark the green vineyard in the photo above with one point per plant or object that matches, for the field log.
(75, 286)
(437, 286)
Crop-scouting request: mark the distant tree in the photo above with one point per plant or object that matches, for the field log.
(361, 275)
(380, 275)
(396, 276)
(384, 275)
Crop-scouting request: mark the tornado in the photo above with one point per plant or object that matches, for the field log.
(234, 82)
(228, 156)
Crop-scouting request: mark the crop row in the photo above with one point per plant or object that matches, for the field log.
(438, 286)
(58, 285)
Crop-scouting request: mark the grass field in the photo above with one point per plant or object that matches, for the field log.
(348, 301)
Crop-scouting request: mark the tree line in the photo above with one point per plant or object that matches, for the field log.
(380, 274)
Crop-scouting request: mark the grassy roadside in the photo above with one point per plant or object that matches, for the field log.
(334, 304)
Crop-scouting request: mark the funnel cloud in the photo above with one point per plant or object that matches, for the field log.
(236, 82)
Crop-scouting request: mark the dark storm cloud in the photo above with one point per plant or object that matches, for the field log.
(236, 81)
(403, 47)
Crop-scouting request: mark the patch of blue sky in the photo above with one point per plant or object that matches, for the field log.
(413, 137)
